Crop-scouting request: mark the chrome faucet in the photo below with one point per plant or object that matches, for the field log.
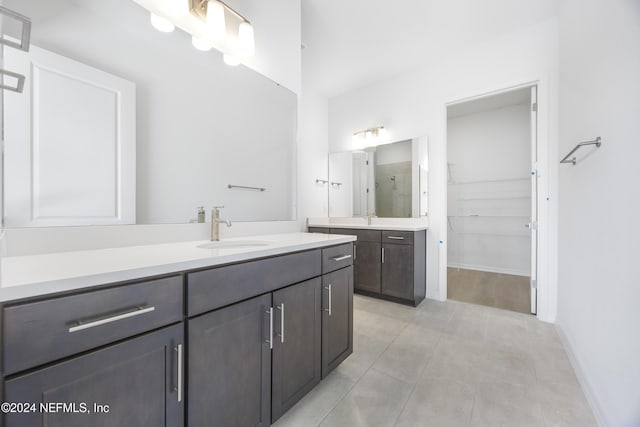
(215, 221)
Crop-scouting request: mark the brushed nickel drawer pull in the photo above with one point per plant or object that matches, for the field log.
(395, 237)
(137, 312)
(341, 258)
(270, 340)
(180, 362)
(328, 288)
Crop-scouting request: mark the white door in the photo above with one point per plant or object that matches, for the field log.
(533, 224)
(69, 144)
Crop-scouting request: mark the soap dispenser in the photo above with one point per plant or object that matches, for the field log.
(200, 214)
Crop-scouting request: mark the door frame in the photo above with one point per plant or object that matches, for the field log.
(545, 306)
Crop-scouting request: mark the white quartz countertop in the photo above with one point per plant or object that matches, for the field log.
(394, 227)
(36, 275)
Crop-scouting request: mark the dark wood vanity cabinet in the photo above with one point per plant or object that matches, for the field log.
(297, 356)
(133, 383)
(337, 318)
(387, 264)
(269, 349)
(229, 375)
(113, 357)
(260, 334)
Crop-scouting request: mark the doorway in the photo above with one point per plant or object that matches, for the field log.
(491, 202)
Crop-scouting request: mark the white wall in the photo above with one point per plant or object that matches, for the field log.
(599, 240)
(489, 195)
(414, 104)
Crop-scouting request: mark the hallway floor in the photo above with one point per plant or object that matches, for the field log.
(446, 364)
(505, 291)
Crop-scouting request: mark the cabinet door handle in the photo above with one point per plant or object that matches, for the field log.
(355, 252)
(395, 237)
(137, 312)
(270, 340)
(341, 258)
(383, 255)
(281, 308)
(178, 387)
(328, 309)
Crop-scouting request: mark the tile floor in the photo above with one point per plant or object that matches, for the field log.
(446, 364)
(505, 291)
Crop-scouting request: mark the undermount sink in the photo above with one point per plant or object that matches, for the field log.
(229, 244)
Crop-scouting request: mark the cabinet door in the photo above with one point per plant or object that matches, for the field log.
(230, 366)
(138, 381)
(296, 348)
(367, 266)
(337, 318)
(397, 271)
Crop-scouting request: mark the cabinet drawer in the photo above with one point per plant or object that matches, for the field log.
(400, 237)
(43, 331)
(337, 257)
(218, 287)
(362, 235)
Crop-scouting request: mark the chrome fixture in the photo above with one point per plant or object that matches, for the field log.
(597, 142)
(211, 24)
(244, 187)
(25, 30)
(215, 222)
(9, 77)
(369, 137)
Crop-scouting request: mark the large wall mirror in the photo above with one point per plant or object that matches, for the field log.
(389, 180)
(122, 124)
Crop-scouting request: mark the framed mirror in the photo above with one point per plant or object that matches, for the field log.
(123, 124)
(388, 180)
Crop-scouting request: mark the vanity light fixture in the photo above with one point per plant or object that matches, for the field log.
(214, 14)
(211, 23)
(369, 137)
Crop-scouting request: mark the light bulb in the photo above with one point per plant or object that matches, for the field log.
(161, 23)
(246, 42)
(230, 59)
(201, 43)
(216, 26)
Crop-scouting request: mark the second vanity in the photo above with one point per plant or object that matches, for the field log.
(389, 260)
(191, 333)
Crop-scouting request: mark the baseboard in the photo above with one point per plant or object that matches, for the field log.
(489, 269)
(598, 412)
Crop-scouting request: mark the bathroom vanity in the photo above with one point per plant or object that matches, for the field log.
(389, 260)
(175, 334)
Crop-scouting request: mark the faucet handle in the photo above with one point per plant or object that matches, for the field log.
(218, 207)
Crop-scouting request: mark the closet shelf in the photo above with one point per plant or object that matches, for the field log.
(488, 216)
(467, 233)
(487, 181)
(466, 199)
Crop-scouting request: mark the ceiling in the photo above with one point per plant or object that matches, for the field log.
(353, 43)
